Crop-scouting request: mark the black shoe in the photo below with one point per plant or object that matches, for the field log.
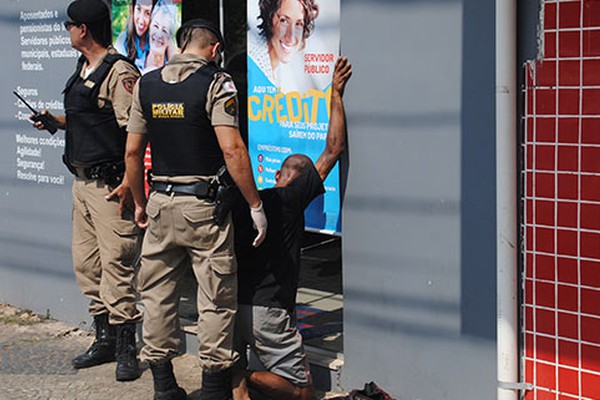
(165, 385)
(173, 394)
(103, 348)
(216, 385)
(127, 363)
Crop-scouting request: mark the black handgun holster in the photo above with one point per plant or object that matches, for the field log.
(226, 195)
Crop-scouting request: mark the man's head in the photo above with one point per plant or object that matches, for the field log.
(203, 35)
(92, 16)
(292, 167)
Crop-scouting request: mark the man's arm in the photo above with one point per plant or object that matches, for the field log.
(118, 89)
(336, 135)
(239, 167)
(134, 169)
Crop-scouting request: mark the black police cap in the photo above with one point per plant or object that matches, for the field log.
(88, 11)
(199, 23)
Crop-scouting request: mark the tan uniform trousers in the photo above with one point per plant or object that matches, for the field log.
(105, 247)
(182, 227)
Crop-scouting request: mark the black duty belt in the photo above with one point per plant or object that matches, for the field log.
(201, 189)
(111, 173)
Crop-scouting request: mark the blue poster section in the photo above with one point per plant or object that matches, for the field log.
(281, 124)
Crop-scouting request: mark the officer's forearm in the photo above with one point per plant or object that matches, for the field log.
(240, 169)
(238, 162)
(61, 121)
(134, 166)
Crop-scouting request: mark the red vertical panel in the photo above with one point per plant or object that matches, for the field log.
(567, 298)
(568, 130)
(545, 325)
(591, 43)
(567, 326)
(561, 297)
(550, 15)
(546, 73)
(590, 130)
(569, 15)
(568, 270)
(568, 380)
(591, 13)
(590, 385)
(568, 44)
(569, 72)
(591, 72)
(550, 45)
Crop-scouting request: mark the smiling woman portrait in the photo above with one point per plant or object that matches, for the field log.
(285, 26)
(134, 42)
(162, 31)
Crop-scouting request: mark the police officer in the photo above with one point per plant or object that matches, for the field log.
(188, 112)
(97, 101)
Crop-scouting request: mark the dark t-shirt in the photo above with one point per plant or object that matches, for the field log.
(268, 275)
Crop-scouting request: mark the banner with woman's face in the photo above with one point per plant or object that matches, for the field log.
(144, 30)
(292, 49)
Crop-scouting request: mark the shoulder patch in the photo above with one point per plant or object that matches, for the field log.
(231, 107)
(229, 86)
(129, 84)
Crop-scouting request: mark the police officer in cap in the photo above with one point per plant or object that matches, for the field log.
(188, 112)
(106, 240)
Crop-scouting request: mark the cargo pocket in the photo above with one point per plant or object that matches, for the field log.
(203, 230)
(223, 264)
(224, 281)
(128, 246)
(153, 231)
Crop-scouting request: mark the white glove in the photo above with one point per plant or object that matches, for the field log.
(259, 222)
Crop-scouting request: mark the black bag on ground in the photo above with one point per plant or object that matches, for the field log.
(370, 392)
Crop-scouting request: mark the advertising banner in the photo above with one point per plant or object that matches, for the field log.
(292, 49)
(144, 30)
(35, 209)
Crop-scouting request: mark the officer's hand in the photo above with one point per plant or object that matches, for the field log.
(141, 218)
(39, 125)
(259, 222)
(123, 193)
(341, 73)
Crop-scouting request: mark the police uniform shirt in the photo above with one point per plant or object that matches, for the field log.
(222, 94)
(117, 88)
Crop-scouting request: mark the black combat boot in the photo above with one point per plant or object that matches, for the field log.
(165, 385)
(103, 348)
(216, 385)
(127, 364)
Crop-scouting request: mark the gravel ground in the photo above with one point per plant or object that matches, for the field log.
(35, 363)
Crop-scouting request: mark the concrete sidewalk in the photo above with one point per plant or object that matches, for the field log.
(35, 363)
